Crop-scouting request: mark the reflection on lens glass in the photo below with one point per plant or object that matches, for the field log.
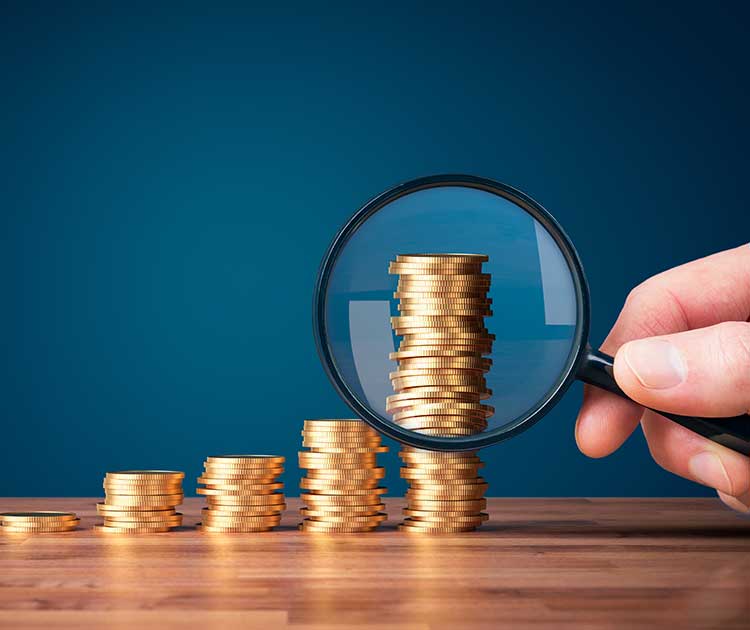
(534, 314)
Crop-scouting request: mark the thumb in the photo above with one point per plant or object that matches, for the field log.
(704, 372)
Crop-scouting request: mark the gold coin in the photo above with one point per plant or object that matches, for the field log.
(143, 517)
(244, 510)
(122, 488)
(253, 499)
(439, 258)
(236, 469)
(419, 473)
(414, 527)
(467, 384)
(458, 505)
(239, 490)
(104, 508)
(349, 491)
(362, 473)
(337, 484)
(352, 449)
(261, 488)
(458, 521)
(238, 482)
(449, 495)
(145, 500)
(410, 398)
(476, 363)
(354, 429)
(341, 499)
(447, 408)
(334, 510)
(348, 521)
(218, 477)
(111, 529)
(211, 529)
(42, 524)
(439, 463)
(42, 516)
(13, 529)
(144, 492)
(333, 423)
(448, 431)
(236, 521)
(427, 353)
(428, 514)
(334, 528)
(146, 474)
(272, 461)
(325, 440)
(418, 271)
(174, 521)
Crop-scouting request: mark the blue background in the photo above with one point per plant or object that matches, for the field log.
(171, 176)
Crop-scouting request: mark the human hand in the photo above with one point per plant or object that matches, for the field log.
(682, 345)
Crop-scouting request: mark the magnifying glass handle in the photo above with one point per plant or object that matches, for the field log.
(596, 369)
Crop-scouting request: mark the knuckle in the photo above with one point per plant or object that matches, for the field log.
(733, 350)
(653, 310)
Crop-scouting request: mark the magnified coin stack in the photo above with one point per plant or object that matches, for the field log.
(141, 501)
(440, 384)
(38, 522)
(341, 491)
(242, 492)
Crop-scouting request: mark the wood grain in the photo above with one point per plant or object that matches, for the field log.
(558, 563)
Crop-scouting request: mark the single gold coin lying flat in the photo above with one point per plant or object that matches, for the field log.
(260, 460)
(145, 474)
(231, 511)
(249, 529)
(328, 499)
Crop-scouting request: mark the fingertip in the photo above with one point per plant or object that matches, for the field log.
(604, 423)
(739, 504)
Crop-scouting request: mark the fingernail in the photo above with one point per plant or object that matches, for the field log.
(656, 363)
(737, 503)
(708, 468)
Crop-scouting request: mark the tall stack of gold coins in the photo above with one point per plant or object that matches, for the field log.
(440, 384)
(342, 490)
(38, 522)
(141, 501)
(242, 492)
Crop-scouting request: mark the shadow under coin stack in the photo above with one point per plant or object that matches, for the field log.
(341, 491)
(440, 384)
(242, 492)
(38, 522)
(141, 501)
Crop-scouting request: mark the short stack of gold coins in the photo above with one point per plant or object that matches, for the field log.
(242, 492)
(440, 384)
(141, 501)
(341, 491)
(38, 522)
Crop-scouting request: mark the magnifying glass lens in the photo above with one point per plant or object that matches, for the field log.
(525, 292)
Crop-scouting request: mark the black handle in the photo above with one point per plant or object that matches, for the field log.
(733, 433)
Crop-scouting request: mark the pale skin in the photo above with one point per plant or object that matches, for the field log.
(681, 344)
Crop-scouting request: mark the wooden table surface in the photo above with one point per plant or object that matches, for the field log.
(558, 563)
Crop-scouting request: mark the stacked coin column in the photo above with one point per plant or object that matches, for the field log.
(341, 491)
(141, 501)
(242, 492)
(440, 384)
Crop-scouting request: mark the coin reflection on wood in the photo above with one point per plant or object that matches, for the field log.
(440, 383)
(341, 491)
(243, 493)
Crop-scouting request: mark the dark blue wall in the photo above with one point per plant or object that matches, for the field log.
(171, 176)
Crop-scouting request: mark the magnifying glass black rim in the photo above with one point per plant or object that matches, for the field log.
(479, 440)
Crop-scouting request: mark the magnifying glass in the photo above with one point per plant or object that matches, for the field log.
(540, 311)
